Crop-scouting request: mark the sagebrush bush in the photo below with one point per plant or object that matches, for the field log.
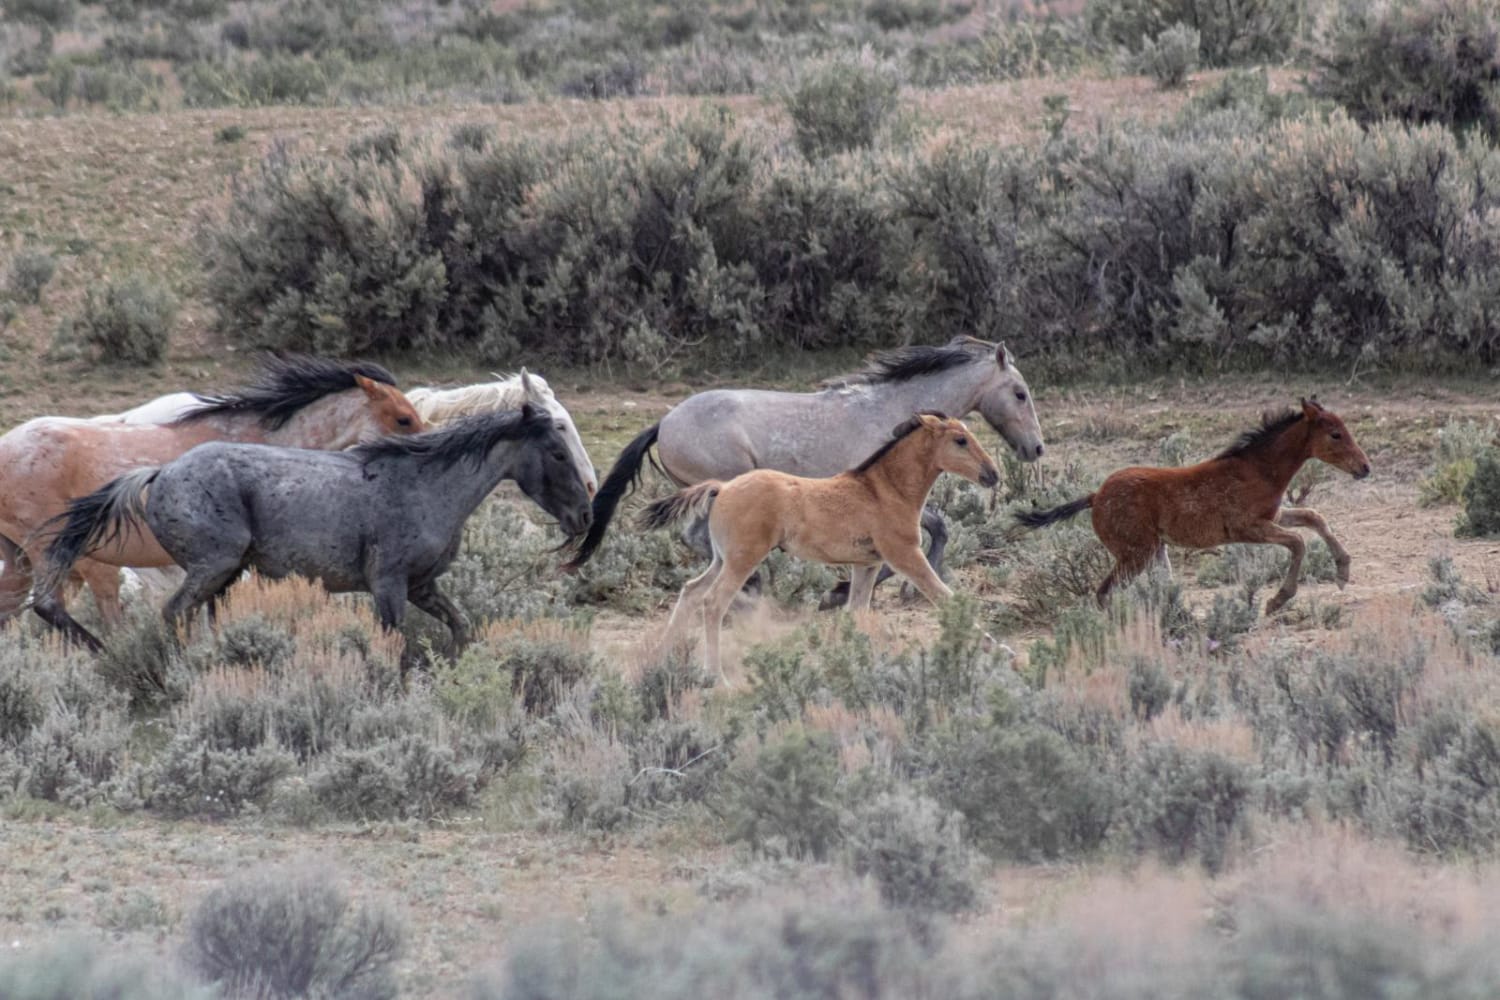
(783, 798)
(1481, 496)
(841, 105)
(915, 851)
(1170, 56)
(1427, 61)
(29, 271)
(80, 969)
(1024, 792)
(52, 13)
(284, 932)
(843, 946)
(130, 322)
(1228, 33)
(410, 777)
(1183, 803)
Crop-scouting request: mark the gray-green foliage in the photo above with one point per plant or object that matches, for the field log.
(841, 105)
(1481, 496)
(1163, 244)
(29, 271)
(129, 322)
(1228, 33)
(1182, 803)
(80, 969)
(291, 931)
(785, 798)
(1422, 61)
(915, 851)
(1170, 56)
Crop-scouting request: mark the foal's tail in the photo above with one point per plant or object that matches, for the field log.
(681, 505)
(1042, 518)
(91, 521)
(616, 486)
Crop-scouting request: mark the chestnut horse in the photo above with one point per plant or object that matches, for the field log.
(858, 518)
(1233, 497)
(296, 402)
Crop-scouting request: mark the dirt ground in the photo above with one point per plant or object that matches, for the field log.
(462, 886)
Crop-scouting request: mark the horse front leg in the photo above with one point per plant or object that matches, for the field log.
(937, 530)
(905, 556)
(438, 605)
(1306, 517)
(1268, 533)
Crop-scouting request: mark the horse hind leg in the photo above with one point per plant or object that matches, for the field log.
(690, 600)
(202, 584)
(1129, 564)
(1306, 517)
(104, 583)
(15, 579)
(739, 564)
(49, 607)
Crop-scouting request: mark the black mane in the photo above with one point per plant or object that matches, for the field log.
(903, 363)
(470, 438)
(1271, 426)
(287, 383)
(897, 436)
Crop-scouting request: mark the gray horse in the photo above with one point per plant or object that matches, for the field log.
(725, 432)
(385, 518)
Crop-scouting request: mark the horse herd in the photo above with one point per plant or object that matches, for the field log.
(325, 469)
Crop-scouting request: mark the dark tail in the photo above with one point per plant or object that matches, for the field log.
(91, 521)
(682, 504)
(622, 479)
(1042, 518)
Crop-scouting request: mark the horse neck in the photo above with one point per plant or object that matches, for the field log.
(954, 392)
(1280, 459)
(460, 488)
(337, 421)
(907, 471)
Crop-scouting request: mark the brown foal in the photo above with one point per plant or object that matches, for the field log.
(858, 518)
(1233, 497)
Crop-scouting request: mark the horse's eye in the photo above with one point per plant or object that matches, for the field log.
(962, 442)
(403, 421)
(560, 456)
(1021, 396)
(1336, 436)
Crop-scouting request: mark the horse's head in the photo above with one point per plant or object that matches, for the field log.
(389, 412)
(540, 395)
(958, 451)
(1005, 403)
(1329, 440)
(547, 474)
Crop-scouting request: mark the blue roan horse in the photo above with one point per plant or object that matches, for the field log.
(385, 518)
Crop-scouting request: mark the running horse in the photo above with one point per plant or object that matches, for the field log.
(1233, 497)
(722, 433)
(861, 518)
(296, 401)
(385, 518)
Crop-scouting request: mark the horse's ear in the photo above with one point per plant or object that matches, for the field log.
(1002, 357)
(528, 385)
(932, 419)
(372, 388)
(1311, 408)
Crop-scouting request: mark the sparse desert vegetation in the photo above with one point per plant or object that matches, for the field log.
(645, 199)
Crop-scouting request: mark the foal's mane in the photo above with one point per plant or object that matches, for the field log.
(287, 383)
(1271, 426)
(898, 435)
(469, 438)
(902, 364)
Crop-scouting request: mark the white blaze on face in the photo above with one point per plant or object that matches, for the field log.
(539, 393)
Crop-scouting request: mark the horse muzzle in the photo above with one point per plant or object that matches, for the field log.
(989, 477)
(1361, 471)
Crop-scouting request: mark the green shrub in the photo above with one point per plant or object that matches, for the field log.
(30, 270)
(283, 932)
(783, 798)
(52, 13)
(841, 105)
(914, 850)
(1170, 56)
(130, 323)
(192, 778)
(79, 969)
(1481, 516)
(410, 777)
(1183, 803)
(1434, 61)
(1025, 792)
(274, 79)
(803, 950)
(142, 659)
(1228, 33)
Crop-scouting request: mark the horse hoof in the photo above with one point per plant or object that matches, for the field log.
(835, 598)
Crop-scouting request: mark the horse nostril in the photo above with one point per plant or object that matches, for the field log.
(1039, 449)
